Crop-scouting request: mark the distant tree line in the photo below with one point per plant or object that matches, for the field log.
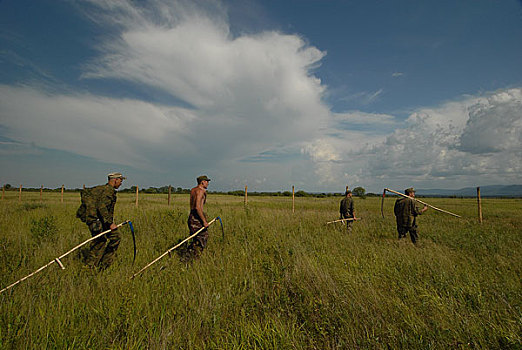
(162, 189)
(357, 191)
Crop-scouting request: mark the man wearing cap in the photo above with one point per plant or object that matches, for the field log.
(406, 212)
(347, 210)
(99, 214)
(197, 218)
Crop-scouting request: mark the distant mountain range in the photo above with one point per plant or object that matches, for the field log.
(485, 191)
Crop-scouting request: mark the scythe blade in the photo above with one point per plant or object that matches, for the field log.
(222, 229)
(133, 241)
(382, 202)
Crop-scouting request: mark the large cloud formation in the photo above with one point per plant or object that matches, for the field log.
(236, 85)
(242, 96)
(251, 111)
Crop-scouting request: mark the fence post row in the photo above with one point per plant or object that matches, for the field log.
(479, 199)
(170, 195)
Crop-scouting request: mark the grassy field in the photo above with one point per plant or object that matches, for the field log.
(278, 280)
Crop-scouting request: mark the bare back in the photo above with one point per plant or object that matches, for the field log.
(198, 197)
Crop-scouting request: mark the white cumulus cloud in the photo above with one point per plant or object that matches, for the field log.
(473, 140)
(494, 124)
(244, 94)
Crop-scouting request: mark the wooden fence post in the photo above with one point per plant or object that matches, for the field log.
(61, 199)
(41, 190)
(137, 196)
(20, 194)
(246, 194)
(293, 199)
(168, 199)
(3, 191)
(479, 203)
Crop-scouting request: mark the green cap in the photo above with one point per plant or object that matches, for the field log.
(409, 190)
(202, 178)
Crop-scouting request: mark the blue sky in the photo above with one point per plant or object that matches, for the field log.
(269, 94)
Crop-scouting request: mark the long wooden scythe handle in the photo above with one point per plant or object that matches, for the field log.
(57, 260)
(171, 249)
(426, 204)
(340, 220)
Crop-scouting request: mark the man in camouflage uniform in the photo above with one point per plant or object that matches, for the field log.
(406, 212)
(347, 210)
(99, 212)
(197, 218)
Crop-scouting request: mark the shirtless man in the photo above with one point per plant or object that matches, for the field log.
(197, 218)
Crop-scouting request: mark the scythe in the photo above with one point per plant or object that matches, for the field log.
(382, 202)
(58, 261)
(133, 241)
(176, 246)
(418, 200)
(343, 220)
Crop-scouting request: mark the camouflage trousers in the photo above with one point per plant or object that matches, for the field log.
(349, 225)
(195, 223)
(103, 249)
(412, 230)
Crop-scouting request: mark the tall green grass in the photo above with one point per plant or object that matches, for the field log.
(278, 280)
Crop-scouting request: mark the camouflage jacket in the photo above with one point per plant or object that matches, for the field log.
(99, 204)
(346, 208)
(406, 211)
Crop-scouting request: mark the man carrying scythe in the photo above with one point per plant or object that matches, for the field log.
(97, 211)
(197, 218)
(406, 212)
(198, 225)
(347, 209)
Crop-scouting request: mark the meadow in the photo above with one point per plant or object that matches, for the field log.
(274, 280)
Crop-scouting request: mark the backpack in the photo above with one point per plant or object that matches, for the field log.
(81, 213)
